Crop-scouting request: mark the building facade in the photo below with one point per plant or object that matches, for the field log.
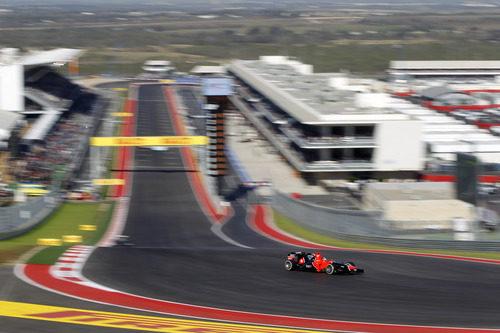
(325, 130)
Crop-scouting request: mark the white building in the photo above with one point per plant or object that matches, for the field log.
(157, 68)
(12, 68)
(327, 129)
(417, 206)
(438, 68)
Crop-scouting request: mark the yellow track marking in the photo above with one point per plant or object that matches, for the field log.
(126, 321)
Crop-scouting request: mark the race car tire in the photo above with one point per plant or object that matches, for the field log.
(289, 265)
(330, 269)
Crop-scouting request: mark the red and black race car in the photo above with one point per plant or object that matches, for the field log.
(316, 262)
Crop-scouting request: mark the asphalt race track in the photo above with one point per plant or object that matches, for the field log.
(178, 258)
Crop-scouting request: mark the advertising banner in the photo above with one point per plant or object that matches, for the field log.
(149, 141)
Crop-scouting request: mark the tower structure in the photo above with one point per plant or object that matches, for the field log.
(216, 91)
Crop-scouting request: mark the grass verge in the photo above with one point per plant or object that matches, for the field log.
(290, 227)
(65, 221)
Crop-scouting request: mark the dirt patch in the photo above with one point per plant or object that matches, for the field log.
(12, 254)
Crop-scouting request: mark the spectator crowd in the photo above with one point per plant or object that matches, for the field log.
(59, 152)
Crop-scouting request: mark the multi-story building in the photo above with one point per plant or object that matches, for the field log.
(322, 129)
(465, 69)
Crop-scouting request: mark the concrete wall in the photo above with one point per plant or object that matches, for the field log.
(427, 213)
(11, 88)
(399, 146)
(18, 219)
(301, 68)
(353, 226)
(420, 205)
(375, 194)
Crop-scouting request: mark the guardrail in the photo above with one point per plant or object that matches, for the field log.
(18, 219)
(364, 227)
(325, 218)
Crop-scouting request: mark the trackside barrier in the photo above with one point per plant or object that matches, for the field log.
(18, 219)
(362, 227)
(325, 218)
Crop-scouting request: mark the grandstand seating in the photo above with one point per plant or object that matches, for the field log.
(49, 81)
(54, 145)
(45, 100)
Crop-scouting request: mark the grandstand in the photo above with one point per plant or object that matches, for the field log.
(53, 91)
(60, 116)
(51, 95)
(39, 130)
(16, 70)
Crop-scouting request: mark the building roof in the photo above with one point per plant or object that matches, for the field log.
(157, 63)
(462, 68)
(49, 57)
(308, 98)
(208, 70)
(446, 135)
(157, 66)
(413, 191)
(434, 92)
(450, 65)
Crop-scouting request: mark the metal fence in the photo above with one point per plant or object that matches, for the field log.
(364, 227)
(322, 218)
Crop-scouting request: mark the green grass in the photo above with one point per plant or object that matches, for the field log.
(65, 221)
(292, 228)
(365, 55)
(47, 255)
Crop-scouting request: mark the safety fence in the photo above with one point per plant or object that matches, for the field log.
(365, 227)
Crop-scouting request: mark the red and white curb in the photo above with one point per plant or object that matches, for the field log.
(261, 221)
(70, 264)
(215, 211)
(65, 278)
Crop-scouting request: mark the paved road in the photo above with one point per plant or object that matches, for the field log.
(179, 258)
(14, 290)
